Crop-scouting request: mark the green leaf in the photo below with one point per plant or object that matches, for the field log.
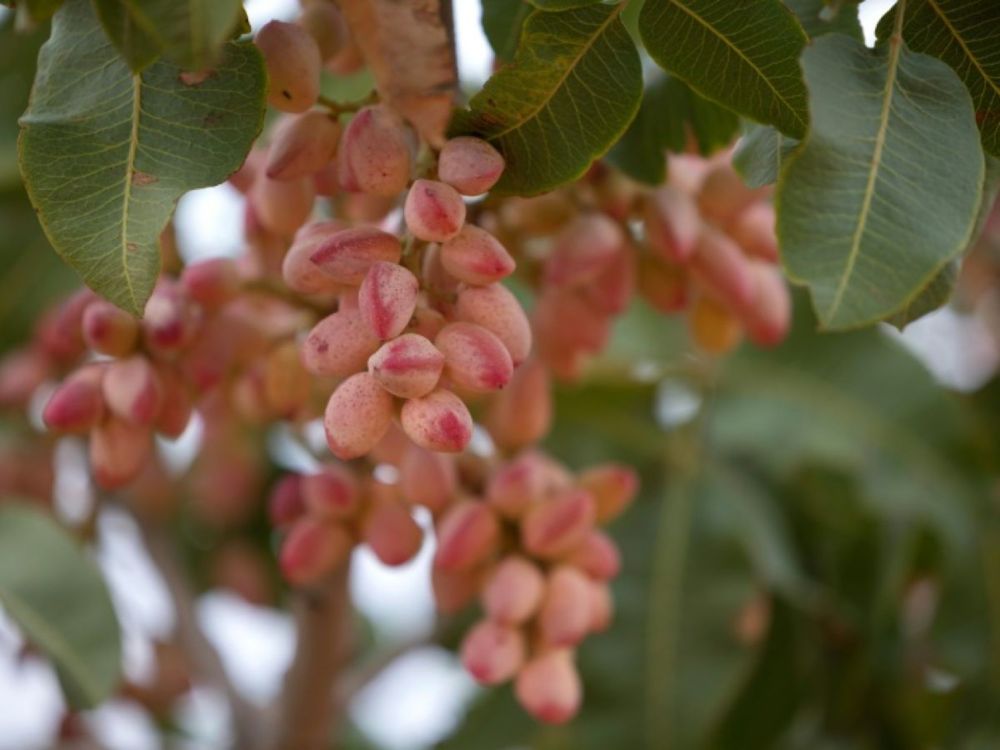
(856, 200)
(742, 55)
(562, 4)
(670, 113)
(39, 10)
(139, 46)
(936, 294)
(502, 22)
(574, 87)
(17, 68)
(105, 154)
(56, 595)
(966, 35)
(818, 17)
(761, 153)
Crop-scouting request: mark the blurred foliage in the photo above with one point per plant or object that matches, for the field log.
(812, 562)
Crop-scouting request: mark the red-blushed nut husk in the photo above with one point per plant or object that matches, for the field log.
(282, 206)
(597, 556)
(439, 421)
(613, 487)
(564, 618)
(723, 195)
(529, 478)
(467, 535)
(554, 308)
(326, 26)
(391, 532)
(302, 145)
(299, 271)
(522, 413)
(427, 478)
(474, 358)
(612, 289)
(392, 446)
(78, 403)
(325, 180)
(434, 211)
(720, 266)
(552, 528)
(454, 589)
(470, 165)
(59, 333)
(387, 298)
(663, 285)
(118, 452)
(170, 322)
(285, 504)
(492, 653)
(769, 316)
(754, 231)
(427, 322)
(293, 64)
(132, 390)
(513, 591)
(548, 687)
(672, 224)
(212, 282)
(602, 607)
(409, 366)
(286, 380)
(332, 492)
(253, 165)
(685, 172)
(108, 329)
(434, 278)
(476, 257)
(497, 310)
(582, 250)
(22, 371)
(313, 548)
(177, 407)
(375, 153)
(357, 416)
(338, 345)
(714, 329)
(347, 255)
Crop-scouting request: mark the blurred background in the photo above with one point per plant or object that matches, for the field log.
(829, 577)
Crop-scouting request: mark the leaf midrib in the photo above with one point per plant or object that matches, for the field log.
(566, 74)
(961, 42)
(746, 59)
(127, 192)
(895, 51)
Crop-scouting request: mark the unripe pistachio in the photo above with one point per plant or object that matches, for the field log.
(77, 404)
(177, 407)
(713, 328)
(476, 257)
(21, 372)
(286, 381)
(454, 589)
(497, 310)
(582, 250)
(108, 329)
(613, 487)
(347, 255)
(513, 591)
(470, 165)
(769, 315)
(282, 206)
(522, 413)
(434, 211)
(118, 451)
(467, 535)
(612, 289)
(293, 64)
(391, 532)
(439, 421)
(253, 165)
(408, 366)
(286, 504)
(753, 230)
(492, 653)
(723, 195)
(597, 556)
(590, 329)
(528, 479)
(427, 478)
(332, 492)
(312, 549)
(299, 271)
(565, 616)
(357, 416)
(554, 527)
(170, 322)
(474, 358)
(548, 687)
(132, 390)
(211, 283)
(672, 224)
(59, 331)
(375, 152)
(326, 26)
(721, 267)
(427, 322)
(302, 145)
(387, 298)
(663, 285)
(340, 344)
(602, 607)
(434, 277)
